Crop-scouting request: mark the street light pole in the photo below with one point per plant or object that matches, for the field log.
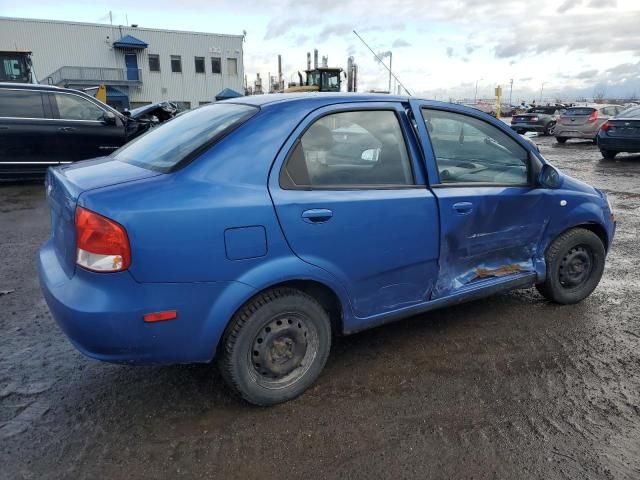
(475, 98)
(542, 90)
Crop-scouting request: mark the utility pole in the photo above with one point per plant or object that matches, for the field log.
(511, 93)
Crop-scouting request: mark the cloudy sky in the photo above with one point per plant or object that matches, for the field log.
(440, 48)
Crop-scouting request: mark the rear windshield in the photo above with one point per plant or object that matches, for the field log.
(548, 111)
(164, 147)
(633, 112)
(576, 112)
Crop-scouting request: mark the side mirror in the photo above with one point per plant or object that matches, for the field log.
(549, 177)
(371, 155)
(109, 118)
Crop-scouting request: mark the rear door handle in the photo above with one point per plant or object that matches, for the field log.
(463, 208)
(66, 129)
(317, 215)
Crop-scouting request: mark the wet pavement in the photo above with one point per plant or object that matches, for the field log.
(508, 387)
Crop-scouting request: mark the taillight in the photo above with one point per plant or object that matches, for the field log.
(102, 244)
(606, 126)
(533, 119)
(593, 117)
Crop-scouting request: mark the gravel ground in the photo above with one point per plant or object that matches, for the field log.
(509, 387)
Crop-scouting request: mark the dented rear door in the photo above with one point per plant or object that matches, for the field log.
(492, 215)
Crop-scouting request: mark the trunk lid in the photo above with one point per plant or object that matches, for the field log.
(64, 185)
(576, 117)
(526, 117)
(624, 128)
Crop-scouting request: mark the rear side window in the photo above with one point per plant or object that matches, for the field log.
(349, 149)
(21, 104)
(165, 147)
(577, 112)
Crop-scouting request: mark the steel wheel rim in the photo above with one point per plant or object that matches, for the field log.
(576, 267)
(283, 350)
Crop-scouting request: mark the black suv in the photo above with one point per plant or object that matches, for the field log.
(43, 125)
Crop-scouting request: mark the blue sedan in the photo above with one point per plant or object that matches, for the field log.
(620, 134)
(251, 231)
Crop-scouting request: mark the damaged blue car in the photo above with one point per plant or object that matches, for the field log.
(251, 231)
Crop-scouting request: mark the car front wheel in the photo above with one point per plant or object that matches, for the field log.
(276, 346)
(575, 263)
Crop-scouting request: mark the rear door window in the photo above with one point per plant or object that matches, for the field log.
(21, 104)
(360, 149)
(163, 148)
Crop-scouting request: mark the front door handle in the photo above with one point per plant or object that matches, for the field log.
(463, 208)
(317, 215)
(66, 129)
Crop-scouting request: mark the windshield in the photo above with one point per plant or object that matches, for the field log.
(331, 81)
(163, 148)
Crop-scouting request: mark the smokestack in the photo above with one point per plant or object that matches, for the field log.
(308, 60)
(350, 74)
(315, 58)
(355, 77)
(280, 85)
(325, 61)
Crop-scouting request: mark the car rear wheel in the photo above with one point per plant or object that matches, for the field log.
(608, 154)
(276, 346)
(575, 263)
(549, 129)
(561, 139)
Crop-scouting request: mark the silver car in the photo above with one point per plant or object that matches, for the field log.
(583, 122)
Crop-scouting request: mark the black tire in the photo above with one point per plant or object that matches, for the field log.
(275, 346)
(561, 139)
(575, 263)
(549, 128)
(608, 154)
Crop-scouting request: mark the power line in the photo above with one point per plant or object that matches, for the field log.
(385, 66)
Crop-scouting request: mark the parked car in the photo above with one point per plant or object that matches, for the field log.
(583, 122)
(231, 232)
(537, 119)
(43, 125)
(155, 112)
(620, 134)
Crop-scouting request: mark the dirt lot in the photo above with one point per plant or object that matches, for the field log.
(510, 387)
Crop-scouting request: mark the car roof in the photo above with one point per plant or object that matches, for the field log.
(334, 97)
(35, 86)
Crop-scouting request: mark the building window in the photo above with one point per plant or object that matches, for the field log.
(199, 64)
(203, 103)
(154, 63)
(176, 63)
(232, 66)
(216, 65)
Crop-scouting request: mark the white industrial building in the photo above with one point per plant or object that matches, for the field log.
(138, 65)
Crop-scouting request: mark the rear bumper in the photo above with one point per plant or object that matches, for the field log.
(528, 127)
(572, 132)
(613, 144)
(102, 314)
